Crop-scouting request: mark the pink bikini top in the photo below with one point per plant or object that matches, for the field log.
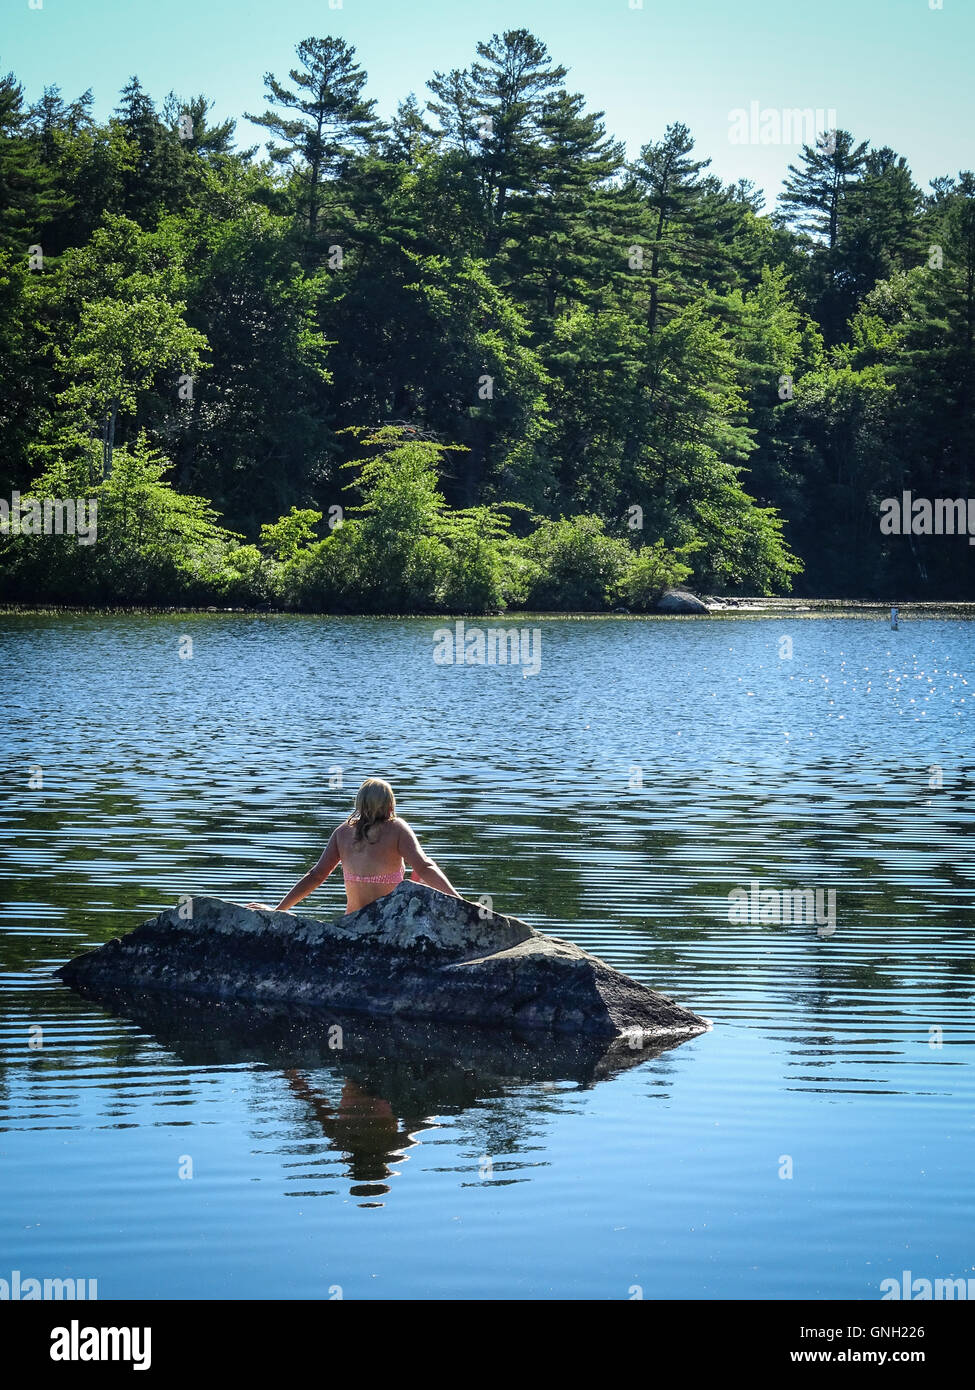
(397, 877)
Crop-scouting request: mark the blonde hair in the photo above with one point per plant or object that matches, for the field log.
(374, 803)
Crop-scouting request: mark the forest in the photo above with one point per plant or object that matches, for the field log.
(471, 357)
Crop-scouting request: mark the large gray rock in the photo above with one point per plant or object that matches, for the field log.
(680, 601)
(414, 953)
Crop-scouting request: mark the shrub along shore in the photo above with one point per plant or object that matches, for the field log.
(401, 550)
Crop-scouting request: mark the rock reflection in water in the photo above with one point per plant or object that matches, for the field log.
(396, 1076)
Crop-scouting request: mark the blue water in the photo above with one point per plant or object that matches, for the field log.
(615, 799)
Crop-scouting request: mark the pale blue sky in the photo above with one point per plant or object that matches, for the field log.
(895, 71)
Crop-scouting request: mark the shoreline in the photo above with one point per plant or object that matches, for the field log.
(717, 607)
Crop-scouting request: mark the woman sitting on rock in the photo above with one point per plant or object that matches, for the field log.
(371, 847)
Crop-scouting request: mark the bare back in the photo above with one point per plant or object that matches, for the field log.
(372, 865)
(378, 852)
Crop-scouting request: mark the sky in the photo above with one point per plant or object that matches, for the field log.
(896, 72)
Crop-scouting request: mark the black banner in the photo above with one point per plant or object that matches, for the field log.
(168, 1338)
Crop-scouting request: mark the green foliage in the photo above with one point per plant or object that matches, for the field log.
(285, 538)
(652, 569)
(153, 544)
(578, 565)
(249, 577)
(590, 335)
(486, 569)
(126, 325)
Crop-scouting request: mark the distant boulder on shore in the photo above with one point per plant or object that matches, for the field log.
(413, 953)
(680, 601)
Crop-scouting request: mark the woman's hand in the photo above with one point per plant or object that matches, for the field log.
(259, 907)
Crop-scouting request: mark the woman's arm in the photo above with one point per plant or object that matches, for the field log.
(313, 879)
(424, 869)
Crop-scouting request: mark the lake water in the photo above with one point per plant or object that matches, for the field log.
(616, 798)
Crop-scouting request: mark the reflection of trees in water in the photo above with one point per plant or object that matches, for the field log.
(826, 992)
(819, 823)
(45, 1077)
(509, 1130)
(550, 884)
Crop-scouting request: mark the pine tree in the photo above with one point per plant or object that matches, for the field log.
(672, 187)
(560, 249)
(181, 116)
(53, 120)
(494, 113)
(28, 197)
(815, 200)
(332, 121)
(409, 133)
(881, 230)
(813, 195)
(155, 179)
